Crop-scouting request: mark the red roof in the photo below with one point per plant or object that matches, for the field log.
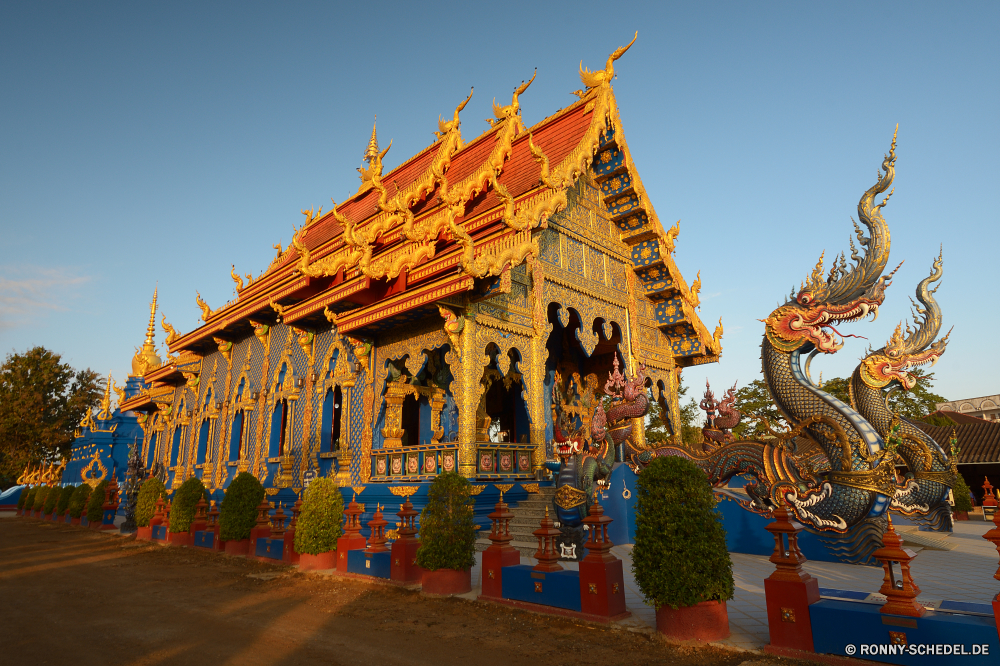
(978, 442)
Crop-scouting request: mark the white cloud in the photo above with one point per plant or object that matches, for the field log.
(26, 292)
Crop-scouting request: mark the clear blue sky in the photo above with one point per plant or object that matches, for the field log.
(145, 142)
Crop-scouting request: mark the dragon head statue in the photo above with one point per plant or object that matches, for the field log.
(902, 353)
(849, 292)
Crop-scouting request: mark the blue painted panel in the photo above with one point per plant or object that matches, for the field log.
(623, 204)
(560, 589)
(270, 548)
(204, 538)
(160, 532)
(374, 564)
(616, 184)
(632, 223)
(607, 161)
(646, 253)
(619, 504)
(839, 623)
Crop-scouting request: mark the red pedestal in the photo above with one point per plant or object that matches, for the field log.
(602, 588)
(789, 590)
(404, 567)
(217, 543)
(144, 534)
(238, 548)
(446, 581)
(346, 543)
(788, 612)
(602, 580)
(493, 563)
(327, 560)
(288, 554)
(74, 521)
(179, 539)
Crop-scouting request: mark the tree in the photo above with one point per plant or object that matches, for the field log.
(657, 430)
(839, 388)
(754, 400)
(919, 401)
(41, 402)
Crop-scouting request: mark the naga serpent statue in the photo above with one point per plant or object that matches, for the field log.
(832, 468)
(578, 471)
(923, 497)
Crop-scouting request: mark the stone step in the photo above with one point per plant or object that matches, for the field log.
(526, 548)
(929, 540)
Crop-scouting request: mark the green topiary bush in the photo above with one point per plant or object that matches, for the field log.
(680, 556)
(23, 498)
(960, 491)
(94, 511)
(447, 530)
(321, 520)
(78, 501)
(51, 498)
(185, 502)
(151, 490)
(239, 507)
(40, 498)
(63, 502)
(29, 501)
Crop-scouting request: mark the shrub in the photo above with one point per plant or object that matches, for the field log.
(29, 501)
(40, 498)
(94, 511)
(151, 490)
(960, 491)
(63, 502)
(185, 502)
(51, 498)
(447, 531)
(680, 556)
(239, 507)
(78, 501)
(23, 498)
(322, 515)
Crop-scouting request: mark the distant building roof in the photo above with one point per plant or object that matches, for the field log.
(978, 439)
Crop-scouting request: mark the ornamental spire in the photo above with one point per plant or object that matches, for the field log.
(145, 359)
(372, 151)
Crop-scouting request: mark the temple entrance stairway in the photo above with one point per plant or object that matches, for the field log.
(527, 518)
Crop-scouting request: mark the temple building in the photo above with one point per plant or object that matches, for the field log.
(425, 324)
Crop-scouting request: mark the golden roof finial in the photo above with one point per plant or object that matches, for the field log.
(105, 412)
(146, 359)
(372, 151)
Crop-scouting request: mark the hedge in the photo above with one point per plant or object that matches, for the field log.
(319, 523)
(40, 498)
(185, 502)
(447, 529)
(151, 490)
(239, 507)
(63, 502)
(51, 498)
(23, 497)
(94, 511)
(28, 498)
(680, 556)
(78, 501)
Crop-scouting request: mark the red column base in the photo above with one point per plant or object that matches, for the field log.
(403, 568)
(327, 560)
(288, 554)
(494, 560)
(346, 543)
(788, 612)
(602, 588)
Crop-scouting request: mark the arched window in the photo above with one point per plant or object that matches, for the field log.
(151, 454)
(277, 439)
(203, 441)
(175, 449)
(236, 437)
(332, 406)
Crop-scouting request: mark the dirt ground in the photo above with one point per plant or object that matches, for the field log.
(73, 596)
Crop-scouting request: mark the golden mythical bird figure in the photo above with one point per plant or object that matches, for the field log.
(445, 126)
(453, 325)
(168, 329)
(602, 77)
(206, 311)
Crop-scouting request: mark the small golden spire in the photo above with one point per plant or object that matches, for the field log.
(372, 151)
(146, 359)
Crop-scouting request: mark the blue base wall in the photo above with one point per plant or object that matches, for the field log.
(837, 624)
(560, 589)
